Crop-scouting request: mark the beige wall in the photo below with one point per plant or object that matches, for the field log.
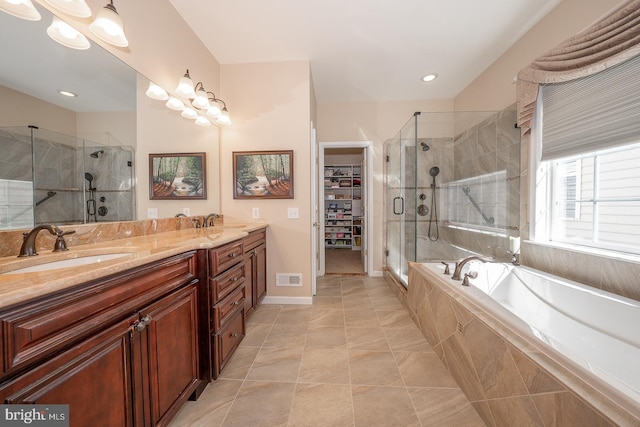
(19, 109)
(274, 113)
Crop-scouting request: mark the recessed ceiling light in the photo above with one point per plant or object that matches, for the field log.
(67, 93)
(429, 77)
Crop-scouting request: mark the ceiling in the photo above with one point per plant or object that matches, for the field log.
(367, 50)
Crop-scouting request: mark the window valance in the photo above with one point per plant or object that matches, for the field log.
(609, 42)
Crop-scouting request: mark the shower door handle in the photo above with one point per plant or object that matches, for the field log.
(396, 212)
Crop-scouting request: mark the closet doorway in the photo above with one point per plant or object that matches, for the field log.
(343, 208)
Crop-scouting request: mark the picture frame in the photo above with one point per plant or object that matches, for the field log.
(177, 176)
(263, 174)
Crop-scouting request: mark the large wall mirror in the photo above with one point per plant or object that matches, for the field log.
(65, 160)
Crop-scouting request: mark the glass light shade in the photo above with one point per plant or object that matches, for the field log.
(224, 118)
(156, 92)
(214, 110)
(175, 104)
(203, 121)
(66, 35)
(20, 8)
(108, 27)
(185, 87)
(71, 7)
(201, 100)
(189, 113)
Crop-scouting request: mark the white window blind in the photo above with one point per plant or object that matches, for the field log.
(593, 113)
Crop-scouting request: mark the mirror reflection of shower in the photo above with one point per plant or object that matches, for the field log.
(91, 201)
(433, 217)
(96, 154)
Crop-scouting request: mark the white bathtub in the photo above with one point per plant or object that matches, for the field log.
(596, 329)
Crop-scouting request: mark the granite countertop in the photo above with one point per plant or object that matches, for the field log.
(140, 250)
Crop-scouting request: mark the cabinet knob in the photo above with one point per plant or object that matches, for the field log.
(235, 303)
(233, 255)
(234, 279)
(234, 335)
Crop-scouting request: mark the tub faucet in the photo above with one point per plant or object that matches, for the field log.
(209, 220)
(461, 263)
(28, 247)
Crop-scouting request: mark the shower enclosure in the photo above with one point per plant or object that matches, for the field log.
(452, 183)
(48, 177)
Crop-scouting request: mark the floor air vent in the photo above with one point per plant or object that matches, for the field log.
(288, 279)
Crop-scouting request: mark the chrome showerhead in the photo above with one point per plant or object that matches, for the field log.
(424, 146)
(434, 171)
(95, 154)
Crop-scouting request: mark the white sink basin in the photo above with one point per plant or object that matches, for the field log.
(72, 262)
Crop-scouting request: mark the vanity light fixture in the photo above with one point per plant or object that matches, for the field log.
(201, 100)
(189, 113)
(23, 9)
(185, 87)
(429, 77)
(77, 8)
(156, 92)
(175, 104)
(108, 26)
(224, 118)
(66, 35)
(202, 121)
(214, 109)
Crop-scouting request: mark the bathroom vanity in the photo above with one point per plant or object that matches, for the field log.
(128, 341)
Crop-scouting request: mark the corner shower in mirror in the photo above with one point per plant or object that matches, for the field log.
(53, 144)
(452, 189)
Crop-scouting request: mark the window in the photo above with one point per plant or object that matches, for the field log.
(588, 179)
(596, 199)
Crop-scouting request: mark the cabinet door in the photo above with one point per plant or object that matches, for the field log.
(94, 376)
(249, 287)
(260, 276)
(172, 351)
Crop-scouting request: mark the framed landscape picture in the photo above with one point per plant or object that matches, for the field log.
(174, 176)
(263, 174)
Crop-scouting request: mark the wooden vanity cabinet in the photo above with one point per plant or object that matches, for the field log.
(255, 258)
(122, 350)
(227, 299)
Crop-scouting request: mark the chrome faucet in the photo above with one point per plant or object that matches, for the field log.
(209, 220)
(461, 263)
(28, 247)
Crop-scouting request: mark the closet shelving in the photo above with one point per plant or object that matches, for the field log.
(342, 207)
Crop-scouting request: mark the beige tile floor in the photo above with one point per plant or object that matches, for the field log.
(353, 358)
(343, 261)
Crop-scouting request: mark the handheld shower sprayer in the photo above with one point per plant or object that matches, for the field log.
(434, 171)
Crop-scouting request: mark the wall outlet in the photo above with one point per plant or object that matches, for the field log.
(186, 211)
(152, 213)
(255, 213)
(292, 213)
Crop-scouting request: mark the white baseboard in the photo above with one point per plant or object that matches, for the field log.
(287, 300)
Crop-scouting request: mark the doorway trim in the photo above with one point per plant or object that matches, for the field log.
(367, 147)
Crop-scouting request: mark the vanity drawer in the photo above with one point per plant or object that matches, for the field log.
(254, 239)
(225, 283)
(224, 257)
(227, 340)
(225, 309)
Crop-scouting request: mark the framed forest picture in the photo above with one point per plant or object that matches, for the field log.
(263, 174)
(176, 176)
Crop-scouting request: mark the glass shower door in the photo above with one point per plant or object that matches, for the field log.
(401, 201)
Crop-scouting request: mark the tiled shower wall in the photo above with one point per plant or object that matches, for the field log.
(59, 169)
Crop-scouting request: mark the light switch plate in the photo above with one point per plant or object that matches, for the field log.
(292, 213)
(255, 213)
(152, 213)
(186, 211)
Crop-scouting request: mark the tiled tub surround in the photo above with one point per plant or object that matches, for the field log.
(510, 376)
